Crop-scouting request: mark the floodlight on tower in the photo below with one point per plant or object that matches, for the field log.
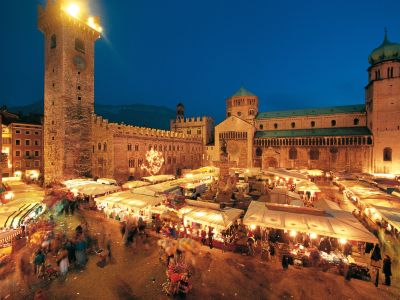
(73, 10)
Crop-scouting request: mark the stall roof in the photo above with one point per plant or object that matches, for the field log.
(284, 173)
(220, 219)
(391, 215)
(333, 223)
(370, 195)
(134, 184)
(128, 198)
(158, 178)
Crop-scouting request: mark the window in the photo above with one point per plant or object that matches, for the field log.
(18, 153)
(53, 41)
(333, 123)
(37, 143)
(79, 98)
(131, 163)
(79, 45)
(79, 87)
(27, 153)
(17, 142)
(105, 147)
(276, 125)
(292, 153)
(27, 142)
(27, 132)
(37, 164)
(189, 131)
(99, 146)
(312, 123)
(239, 113)
(356, 121)
(36, 153)
(136, 147)
(36, 132)
(314, 154)
(229, 114)
(18, 131)
(261, 126)
(258, 151)
(18, 164)
(198, 131)
(387, 154)
(293, 125)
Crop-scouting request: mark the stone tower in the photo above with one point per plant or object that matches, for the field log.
(180, 111)
(242, 104)
(68, 90)
(382, 96)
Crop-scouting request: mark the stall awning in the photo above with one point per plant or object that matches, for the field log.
(284, 173)
(130, 199)
(391, 215)
(90, 187)
(333, 223)
(220, 219)
(134, 184)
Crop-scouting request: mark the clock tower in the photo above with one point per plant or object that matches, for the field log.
(68, 89)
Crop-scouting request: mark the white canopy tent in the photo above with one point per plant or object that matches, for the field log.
(390, 215)
(333, 223)
(285, 173)
(219, 219)
(134, 184)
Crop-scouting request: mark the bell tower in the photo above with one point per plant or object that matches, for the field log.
(382, 96)
(69, 38)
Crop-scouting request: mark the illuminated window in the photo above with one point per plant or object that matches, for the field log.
(387, 154)
(79, 45)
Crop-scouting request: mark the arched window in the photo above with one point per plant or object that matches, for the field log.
(356, 121)
(293, 124)
(53, 41)
(333, 122)
(387, 154)
(312, 123)
(105, 147)
(314, 154)
(261, 126)
(79, 45)
(293, 153)
(129, 147)
(99, 146)
(258, 151)
(276, 125)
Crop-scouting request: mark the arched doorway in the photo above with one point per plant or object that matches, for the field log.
(271, 162)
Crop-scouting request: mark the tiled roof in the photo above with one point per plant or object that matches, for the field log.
(340, 131)
(356, 108)
(242, 92)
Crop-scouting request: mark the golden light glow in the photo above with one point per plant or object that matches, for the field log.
(73, 10)
(9, 195)
(91, 22)
(293, 233)
(252, 226)
(154, 161)
(343, 241)
(313, 235)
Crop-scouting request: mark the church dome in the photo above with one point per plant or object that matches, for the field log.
(386, 51)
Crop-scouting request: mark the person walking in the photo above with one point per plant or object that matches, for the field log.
(38, 261)
(210, 237)
(63, 261)
(376, 257)
(387, 269)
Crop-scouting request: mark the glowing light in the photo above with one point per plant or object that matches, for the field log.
(9, 195)
(17, 173)
(73, 10)
(154, 161)
(92, 23)
(189, 175)
(343, 241)
(313, 235)
(293, 233)
(252, 226)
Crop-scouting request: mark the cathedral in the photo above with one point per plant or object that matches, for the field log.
(77, 142)
(351, 138)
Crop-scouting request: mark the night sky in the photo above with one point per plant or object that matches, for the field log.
(292, 54)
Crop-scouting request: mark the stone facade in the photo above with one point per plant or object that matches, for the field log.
(76, 141)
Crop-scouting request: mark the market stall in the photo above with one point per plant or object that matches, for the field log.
(390, 216)
(134, 184)
(127, 203)
(89, 187)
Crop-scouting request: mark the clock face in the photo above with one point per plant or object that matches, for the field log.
(79, 62)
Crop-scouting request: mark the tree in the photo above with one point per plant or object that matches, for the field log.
(153, 163)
